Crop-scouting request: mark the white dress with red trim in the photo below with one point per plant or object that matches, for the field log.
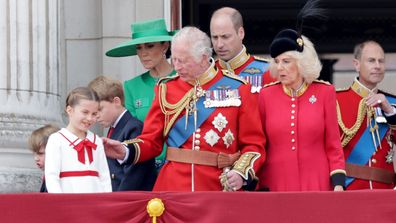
(74, 165)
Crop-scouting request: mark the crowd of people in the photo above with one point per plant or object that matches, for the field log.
(233, 123)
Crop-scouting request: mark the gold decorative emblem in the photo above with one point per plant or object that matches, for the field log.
(300, 42)
(252, 70)
(228, 138)
(155, 208)
(211, 137)
(312, 99)
(220, 122)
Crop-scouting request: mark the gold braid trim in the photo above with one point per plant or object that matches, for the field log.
(244, 165)
(169, 109)
(349, 133)
(135, 142)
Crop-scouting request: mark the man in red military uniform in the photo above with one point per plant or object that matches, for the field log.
(367, 118)
(227, 33)
(207, 117)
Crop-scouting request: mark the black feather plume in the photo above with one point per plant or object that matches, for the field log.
(310, 11)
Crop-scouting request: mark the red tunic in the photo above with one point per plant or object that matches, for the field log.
(242, 123)
(303, 142)
(348, 101)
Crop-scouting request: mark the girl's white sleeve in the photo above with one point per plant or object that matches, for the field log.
(53, 164)
(104, 173)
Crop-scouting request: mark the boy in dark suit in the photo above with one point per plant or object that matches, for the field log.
(122, 126)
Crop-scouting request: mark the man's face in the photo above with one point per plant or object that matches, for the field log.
(227, 42)
(186, 66)
(371, 65)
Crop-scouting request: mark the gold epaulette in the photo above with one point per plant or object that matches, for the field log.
(342, 89)
(167, 78)
(272, 83)
(233, 76)
(322, 82)
(261, 59)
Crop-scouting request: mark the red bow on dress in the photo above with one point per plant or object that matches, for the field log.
(88, 145)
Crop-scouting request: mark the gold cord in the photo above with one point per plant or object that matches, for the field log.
(349, 133)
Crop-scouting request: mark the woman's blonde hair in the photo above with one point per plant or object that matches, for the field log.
(308, 62)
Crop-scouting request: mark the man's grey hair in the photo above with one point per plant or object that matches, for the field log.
(199, 43)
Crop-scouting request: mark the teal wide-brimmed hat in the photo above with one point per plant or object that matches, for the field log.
(142, 32)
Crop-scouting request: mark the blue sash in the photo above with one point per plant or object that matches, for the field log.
(361, 152)
(178, 135)
(255, 68)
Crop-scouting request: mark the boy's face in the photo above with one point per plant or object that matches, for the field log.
(39, 157)
(108, 113)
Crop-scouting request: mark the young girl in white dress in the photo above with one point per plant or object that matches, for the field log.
(75, 160)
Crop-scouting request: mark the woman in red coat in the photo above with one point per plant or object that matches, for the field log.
(299, 117)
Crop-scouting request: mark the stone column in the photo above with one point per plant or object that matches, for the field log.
(29, 85)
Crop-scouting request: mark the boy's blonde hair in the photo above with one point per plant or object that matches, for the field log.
(107, 89)
(39, 137)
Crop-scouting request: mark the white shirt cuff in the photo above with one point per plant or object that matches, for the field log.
(126, 155)
(392, 113)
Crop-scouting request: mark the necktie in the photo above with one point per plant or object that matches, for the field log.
(110, 132)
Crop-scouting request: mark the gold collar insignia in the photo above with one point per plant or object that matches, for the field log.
(295, 93)
(360, 89)
(235, 62)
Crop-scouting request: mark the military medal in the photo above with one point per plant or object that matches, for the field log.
(220, 122)
(211, 137)
(222, 97)
(379, 118)
(228, 138)
(255, 82)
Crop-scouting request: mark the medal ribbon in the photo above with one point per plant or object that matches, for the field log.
(178, 135)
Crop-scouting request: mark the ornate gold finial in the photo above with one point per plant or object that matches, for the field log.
(155, 208)
(300, 42)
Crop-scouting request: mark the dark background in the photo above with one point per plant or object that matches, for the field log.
(349, 22)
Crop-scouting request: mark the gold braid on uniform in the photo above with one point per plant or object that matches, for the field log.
(172, 109)
(349, 133)
(244, 165)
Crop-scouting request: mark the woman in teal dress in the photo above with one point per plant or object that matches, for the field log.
(150, 42)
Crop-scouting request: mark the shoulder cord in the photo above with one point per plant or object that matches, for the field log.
(169, 109)
(349, 133)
